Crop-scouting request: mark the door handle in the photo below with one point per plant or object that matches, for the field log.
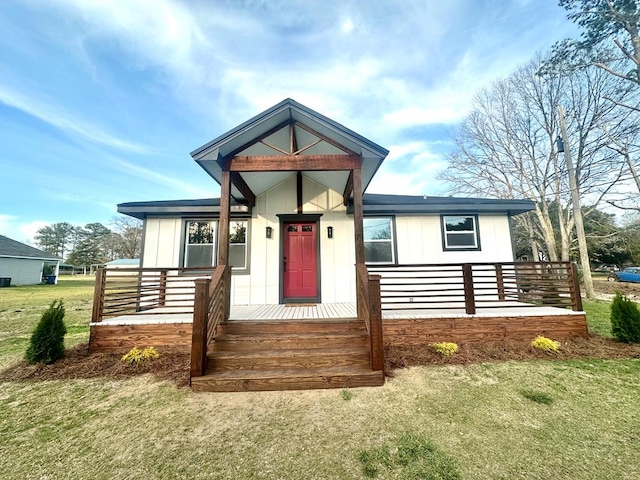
(284, 264)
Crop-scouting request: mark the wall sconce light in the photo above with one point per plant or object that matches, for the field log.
(330, 232)
(269, 232)
(560, 144)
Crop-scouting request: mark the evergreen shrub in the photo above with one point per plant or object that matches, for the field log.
(625, 319)
(47, 341)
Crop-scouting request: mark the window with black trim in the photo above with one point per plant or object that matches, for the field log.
(200, 244)
(460, 232)
(379, 240)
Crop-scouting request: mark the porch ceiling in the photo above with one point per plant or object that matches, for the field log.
(289, 128)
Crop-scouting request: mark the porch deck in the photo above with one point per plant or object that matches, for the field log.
(516, 321)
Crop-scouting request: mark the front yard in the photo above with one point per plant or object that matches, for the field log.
(503, 420)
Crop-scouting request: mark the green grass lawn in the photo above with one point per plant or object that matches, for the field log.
(22, 307)
(509, 420)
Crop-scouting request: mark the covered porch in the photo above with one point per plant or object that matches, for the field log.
(406, 304)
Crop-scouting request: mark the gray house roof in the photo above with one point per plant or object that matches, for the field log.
(13, 249)
(373, 204)
(275, 122)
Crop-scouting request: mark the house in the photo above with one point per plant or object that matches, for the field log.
(22, 264)
(295, 236)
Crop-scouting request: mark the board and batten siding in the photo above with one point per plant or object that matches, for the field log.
(418, 240)
(22, 271)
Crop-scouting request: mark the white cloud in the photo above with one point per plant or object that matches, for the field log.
(11, 227)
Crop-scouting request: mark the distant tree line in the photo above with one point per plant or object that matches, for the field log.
(92, 243)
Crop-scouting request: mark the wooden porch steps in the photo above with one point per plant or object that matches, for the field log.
(288, 355)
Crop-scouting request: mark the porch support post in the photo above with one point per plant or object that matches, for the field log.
(199, 328)
(469, 297)
(358, 223)
(223, 226)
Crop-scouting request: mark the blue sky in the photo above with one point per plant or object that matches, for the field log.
(101, 101)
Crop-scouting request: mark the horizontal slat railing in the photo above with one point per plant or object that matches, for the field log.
(126, 291)
(473, 286)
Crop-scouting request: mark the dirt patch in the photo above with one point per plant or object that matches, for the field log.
(607, 289)
(593, 347)
(79, 363)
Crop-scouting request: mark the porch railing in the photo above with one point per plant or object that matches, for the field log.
(368, 307)
(474, 286)
(124, 291)
(211, 307)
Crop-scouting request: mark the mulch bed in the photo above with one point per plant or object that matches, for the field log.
(174, 367)
(79, 363)
(603, 287)
(595, 346)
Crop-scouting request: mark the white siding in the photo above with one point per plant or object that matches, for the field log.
(418, 240)
(22, 271)
(162, 241)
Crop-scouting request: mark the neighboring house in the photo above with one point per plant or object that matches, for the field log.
(22, 263)
(297, 278)
(123, 263)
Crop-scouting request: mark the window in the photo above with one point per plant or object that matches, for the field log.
(460, 232)
(200, 244)
(378, 240)
(238, 245)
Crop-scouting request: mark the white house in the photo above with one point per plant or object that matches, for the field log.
(292, 229)
(296, 277)
(23, 264)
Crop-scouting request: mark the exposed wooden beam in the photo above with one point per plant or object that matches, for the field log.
(241, 185)
(326, 139)
(292, 163)
(299, 191)
(358, 222)
(277, 149)
(293, 141)
(233, 153)
(348, 189)
(297, 152)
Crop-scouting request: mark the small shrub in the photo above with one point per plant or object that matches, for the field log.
(47, 341)
(346, 394)
(445, 348)
(537, 396)
(545, 344)
(625, 319)
(136, 356)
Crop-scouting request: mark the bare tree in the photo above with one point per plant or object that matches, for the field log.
(507, 147)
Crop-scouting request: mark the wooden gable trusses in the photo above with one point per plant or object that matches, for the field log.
(292, 160)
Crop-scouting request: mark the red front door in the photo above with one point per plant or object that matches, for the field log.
(300, 261)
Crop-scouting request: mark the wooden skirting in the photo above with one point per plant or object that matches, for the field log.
(122, 338)
(479, 329)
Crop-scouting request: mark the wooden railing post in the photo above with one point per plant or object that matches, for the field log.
(227, 293)
(500, 282)
(375, 321)
(162, 291)
(199, 333)
(576, 299)
(469, 296)
(98, 296)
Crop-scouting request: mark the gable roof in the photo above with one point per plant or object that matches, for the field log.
(321, 136)
(14, 249)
